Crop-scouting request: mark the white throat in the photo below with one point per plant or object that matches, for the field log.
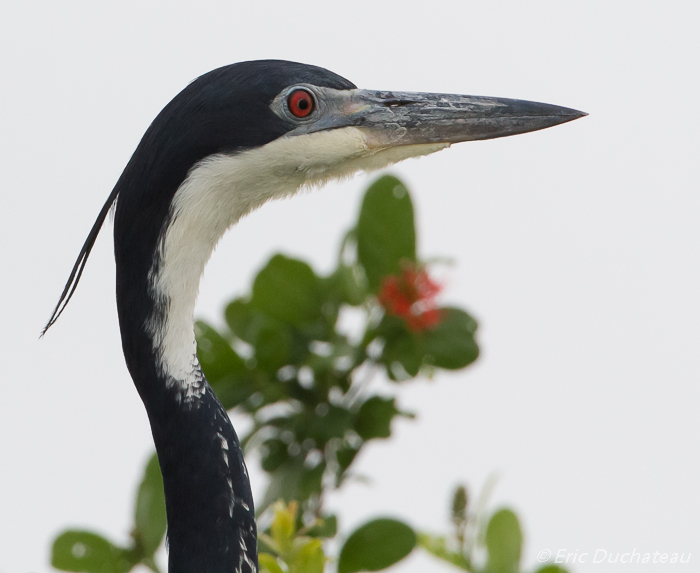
(219, 191)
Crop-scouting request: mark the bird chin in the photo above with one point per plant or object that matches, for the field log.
(351, 150)
(388, 154)
(314, 159)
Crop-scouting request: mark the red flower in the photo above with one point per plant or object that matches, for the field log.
(411, 296)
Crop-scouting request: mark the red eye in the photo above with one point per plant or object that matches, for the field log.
(301, 103)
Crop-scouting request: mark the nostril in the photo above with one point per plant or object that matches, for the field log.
(397, 102)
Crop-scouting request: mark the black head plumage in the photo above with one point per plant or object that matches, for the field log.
(223, 111)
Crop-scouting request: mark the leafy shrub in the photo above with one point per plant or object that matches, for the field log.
(286, 362)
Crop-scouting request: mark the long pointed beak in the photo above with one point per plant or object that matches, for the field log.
(405, 118)
(417, 118)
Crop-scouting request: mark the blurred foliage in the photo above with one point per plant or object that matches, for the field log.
(284, 360)
(77, 550)
(287, 359)
(285, 547)
(480, 545)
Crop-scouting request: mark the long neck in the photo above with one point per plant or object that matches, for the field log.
(168, 221)
(160, 254)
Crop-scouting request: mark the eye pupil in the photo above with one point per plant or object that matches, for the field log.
(300, 103)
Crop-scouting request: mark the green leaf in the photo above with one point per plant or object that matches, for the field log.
(274, 455)
(551, 569)
(349, 284)
(334, 424)
(240, 315)
(308, 557)
(504, 541)
(326, 527)
(273, 345)
(345, 456)
(374, 418)
(271, 338)
(311, 481)
(283, 526)
(385, 230)
(215, 354)
(450, 344)
(288, 290)
(87, 552)
(402, 346)
(376, 545)
(149, 518)
(233, 381)
(268, 563)
(459, 505)
(292, 481)
(437, 546)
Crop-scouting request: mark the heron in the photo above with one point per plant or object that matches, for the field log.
(232, 140)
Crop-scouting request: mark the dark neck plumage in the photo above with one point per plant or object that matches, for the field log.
(211, 521)
(204, 162)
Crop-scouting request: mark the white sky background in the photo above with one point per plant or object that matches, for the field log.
(576, 247)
